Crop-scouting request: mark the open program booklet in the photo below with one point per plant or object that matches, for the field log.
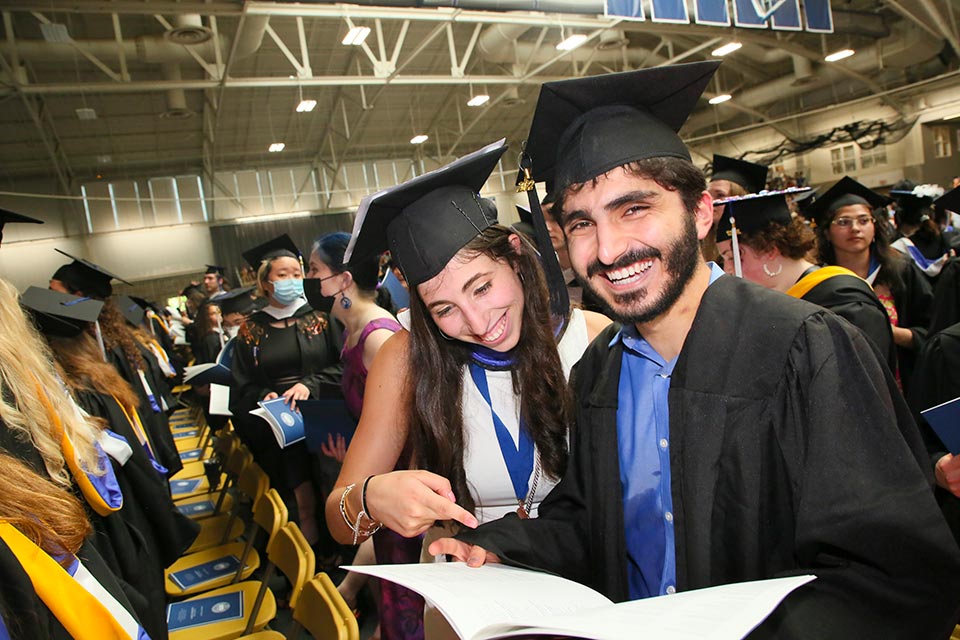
(497, 601)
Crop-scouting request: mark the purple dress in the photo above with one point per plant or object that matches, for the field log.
(401, 610)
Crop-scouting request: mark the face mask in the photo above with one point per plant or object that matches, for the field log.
(315, 298)
(232, 332)
(286, 291)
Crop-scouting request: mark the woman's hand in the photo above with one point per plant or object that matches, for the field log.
(273, 395)
(409, 502)
(298, 391)
(334, 449)
(473, 555)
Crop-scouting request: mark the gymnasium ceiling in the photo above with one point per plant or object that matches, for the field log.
(180, 87)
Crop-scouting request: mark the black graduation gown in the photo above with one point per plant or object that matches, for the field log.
(116, 537)
(945, 309)
(25, 615)
(791, 452)
(853, 299)
(157, 424)
(935, 381)
(913, 300)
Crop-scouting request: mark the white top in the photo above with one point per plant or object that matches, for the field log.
(486, 471)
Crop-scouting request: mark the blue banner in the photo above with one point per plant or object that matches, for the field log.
(625, 9)
(787, 17)
(712, 12)
(819, 16)
(745, 15)
(670, 11)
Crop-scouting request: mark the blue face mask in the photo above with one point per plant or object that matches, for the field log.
(286, 291)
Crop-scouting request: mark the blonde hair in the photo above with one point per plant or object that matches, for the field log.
(46, 514)
(26, 370)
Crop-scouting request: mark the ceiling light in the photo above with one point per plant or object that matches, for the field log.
(55, 33)
(419, 139)
(572, 42)
(306, 106)
(356, 36)
(730, 47)
(839, 55)
(723, 97)
(86, 113)
(478, 100)
(276, 147)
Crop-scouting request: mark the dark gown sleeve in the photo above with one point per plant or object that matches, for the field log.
(322, 357)
(913, 302)
(945, 310)
(866, 523)
(248, 387)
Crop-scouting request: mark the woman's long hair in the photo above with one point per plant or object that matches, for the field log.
(26, 367)
(50, 517)
(84, 369)
(117, 333)
(891, 262)
(436, 426)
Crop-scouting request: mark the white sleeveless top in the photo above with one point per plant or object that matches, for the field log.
(486, 471)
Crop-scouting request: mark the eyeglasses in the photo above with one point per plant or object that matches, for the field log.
(846, 222)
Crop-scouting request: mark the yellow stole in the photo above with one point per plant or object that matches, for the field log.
(81, 614)
(810, 281)
(89, 491)
(136, 425)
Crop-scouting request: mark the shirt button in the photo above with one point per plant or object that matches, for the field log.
(663, 443)
(671, 590)
(668, 516)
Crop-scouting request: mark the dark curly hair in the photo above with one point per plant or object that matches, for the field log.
(794, 240)
(117, 333)
(436, 425)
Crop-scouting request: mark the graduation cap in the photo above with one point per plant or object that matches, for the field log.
(280, 246)
(59, 314)
(803, 202)
(912, 203)
(425, 221)
(236, 301)
(216, 269)
(949, 201)
(585, 127)
(844, 193)
(86, 277)
(131, 310)
(752, 213)
(7, 216)
(749, 175)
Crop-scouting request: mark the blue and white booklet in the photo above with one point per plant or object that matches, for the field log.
(195, 509)
(193, 613)
(190, 454)
(324, 418)
(183, 487)
(945, 420)
(286, 424)
(211, 570)
(210, 372)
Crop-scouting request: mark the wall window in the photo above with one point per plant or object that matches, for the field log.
(844, 159)
(941, 142)
(873, 157)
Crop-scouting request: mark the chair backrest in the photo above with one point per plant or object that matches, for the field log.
(324, 613)
(224, 446)
(270, 513)
(239, 458)
(290, 553)
(253, 482)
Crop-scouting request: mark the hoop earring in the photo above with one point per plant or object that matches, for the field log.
(772, 274)
(345, 302)
(443, 335)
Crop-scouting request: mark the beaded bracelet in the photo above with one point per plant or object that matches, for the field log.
(363, 498)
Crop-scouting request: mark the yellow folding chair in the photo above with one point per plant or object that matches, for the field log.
(269, 514)
(288, 552)
(321, 611)
(231, 461)
(225, 527)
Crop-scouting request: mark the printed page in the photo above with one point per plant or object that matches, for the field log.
(727, 612)
(473, 598)
(220, 400)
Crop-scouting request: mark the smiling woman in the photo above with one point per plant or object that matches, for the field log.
(476, 392)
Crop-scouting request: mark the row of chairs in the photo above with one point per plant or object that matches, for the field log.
(214, 595)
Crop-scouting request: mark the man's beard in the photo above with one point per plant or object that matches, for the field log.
(679, 266)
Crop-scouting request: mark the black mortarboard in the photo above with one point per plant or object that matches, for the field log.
(59, 314)
(803, 202)
(844, 193)
(7, 216)
(584, 127)
(950, 200)
(749, 175)
(236, 301)
(425, 221)
(913, 204)
(82, 275)
(213, 268)
(131, 310)
(752, 213)
(279, 246)
(526, 222)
